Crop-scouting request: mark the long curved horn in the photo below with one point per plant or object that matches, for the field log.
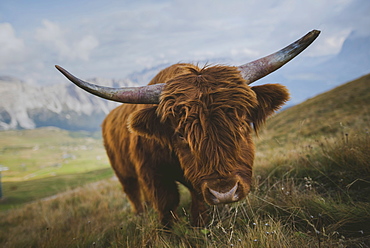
(146, 94)
(259, 68)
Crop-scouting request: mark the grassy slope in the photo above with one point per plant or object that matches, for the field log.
(343, 109)
(317, 155)
(326, 133)
(45, 161)
(311, 189)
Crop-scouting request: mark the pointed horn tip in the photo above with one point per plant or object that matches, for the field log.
(313, 34)
(68, 75)
(61, 69)
(308, 38)
(252, 71)
(315, 31)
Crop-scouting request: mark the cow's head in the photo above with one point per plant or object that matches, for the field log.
(206, 116)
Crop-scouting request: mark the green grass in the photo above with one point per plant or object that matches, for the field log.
(31, 154)
(46, 161)
(311, 188)
(20, 192)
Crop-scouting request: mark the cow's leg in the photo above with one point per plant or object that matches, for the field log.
(132, 189)
(127, 176)
(199, 210)
(164, 196)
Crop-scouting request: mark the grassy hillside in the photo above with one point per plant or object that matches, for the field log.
(345, 109)
(311, 189)
(45, 161)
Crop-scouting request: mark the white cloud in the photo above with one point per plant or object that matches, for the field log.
(12, 49)
(332, 44)
(85, 46)
(64, 44)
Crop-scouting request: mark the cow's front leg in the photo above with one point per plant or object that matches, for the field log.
(163, 195)
(199, 210)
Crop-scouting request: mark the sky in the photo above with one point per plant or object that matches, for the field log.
(111, 39)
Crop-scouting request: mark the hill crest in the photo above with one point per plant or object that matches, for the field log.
(342, 109)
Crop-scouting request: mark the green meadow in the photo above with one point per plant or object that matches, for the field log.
(45, 161)
(311, 187)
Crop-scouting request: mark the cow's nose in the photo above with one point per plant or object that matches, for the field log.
(224, 197)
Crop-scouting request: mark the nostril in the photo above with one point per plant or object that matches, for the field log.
(224, 197)
(213, 197)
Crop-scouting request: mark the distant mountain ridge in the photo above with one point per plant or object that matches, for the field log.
(24, 106)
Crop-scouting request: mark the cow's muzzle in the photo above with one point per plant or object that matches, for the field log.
(224, 197)
(223, 191)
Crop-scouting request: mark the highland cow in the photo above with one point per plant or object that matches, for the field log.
(191, 125)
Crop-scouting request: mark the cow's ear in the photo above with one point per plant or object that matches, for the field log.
(147, 123)
(270, 98)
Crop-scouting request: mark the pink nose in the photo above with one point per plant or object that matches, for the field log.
(224, 197)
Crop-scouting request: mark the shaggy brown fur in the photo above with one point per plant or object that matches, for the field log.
(199, 135)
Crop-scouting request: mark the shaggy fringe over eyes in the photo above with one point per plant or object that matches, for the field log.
(211, 107)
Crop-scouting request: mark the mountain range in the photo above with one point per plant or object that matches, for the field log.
(24, 106)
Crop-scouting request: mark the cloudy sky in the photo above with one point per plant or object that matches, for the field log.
(111, 39)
